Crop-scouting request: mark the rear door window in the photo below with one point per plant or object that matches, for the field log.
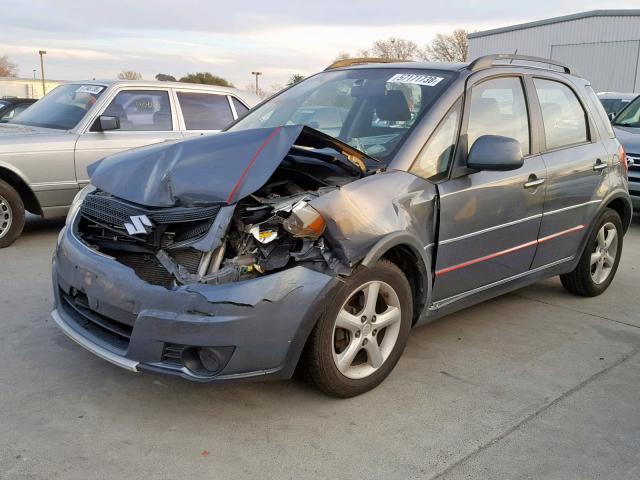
(205, 111)
(565, 121)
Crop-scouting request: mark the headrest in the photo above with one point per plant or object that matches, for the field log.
(393, 107)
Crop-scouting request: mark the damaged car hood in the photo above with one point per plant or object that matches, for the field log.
(221, 168)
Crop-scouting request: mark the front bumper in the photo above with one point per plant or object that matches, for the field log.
(264, 322)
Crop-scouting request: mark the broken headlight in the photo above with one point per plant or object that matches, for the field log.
(77, 202)
(304, 221)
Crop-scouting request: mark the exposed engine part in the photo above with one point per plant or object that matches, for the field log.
(266, 231)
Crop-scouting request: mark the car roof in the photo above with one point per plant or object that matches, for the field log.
(617, 95)
(454, 66)
(155, 84)
(448, 66)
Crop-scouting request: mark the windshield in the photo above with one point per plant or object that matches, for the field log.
(370, 109)
(62, 108)
(630, 116)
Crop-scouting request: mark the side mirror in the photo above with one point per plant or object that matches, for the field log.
(105, 123)
(493, 152)
(611, 116)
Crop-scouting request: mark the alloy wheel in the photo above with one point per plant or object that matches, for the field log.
(6, 216)
(604, 253)
(366, 329)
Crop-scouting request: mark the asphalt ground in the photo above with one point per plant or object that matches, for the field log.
(534, 384)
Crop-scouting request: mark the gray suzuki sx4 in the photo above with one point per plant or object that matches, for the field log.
(323, 226)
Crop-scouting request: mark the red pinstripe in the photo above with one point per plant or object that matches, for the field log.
(509, 250)
(251, 162)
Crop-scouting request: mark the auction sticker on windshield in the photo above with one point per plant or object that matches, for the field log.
(415, 79)
(95, 89)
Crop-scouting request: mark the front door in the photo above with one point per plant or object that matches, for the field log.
(146, 117)
(489, 220)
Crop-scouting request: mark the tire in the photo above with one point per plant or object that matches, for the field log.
(330, 345)
(585, 279)
(12, 214)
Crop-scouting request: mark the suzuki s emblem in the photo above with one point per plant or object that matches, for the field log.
(137, 225)
(630, 161)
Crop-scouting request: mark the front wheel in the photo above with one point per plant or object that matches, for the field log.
(600, 259)
(360, 338)
(12, 214)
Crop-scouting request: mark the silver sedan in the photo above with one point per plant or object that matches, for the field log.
(45, 151)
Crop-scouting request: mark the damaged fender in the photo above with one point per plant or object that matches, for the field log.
(363, 225)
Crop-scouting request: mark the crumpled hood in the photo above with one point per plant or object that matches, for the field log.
(218, 168)
(629, 137)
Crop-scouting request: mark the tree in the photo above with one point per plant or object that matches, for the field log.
(342, 56)
(206, 78)
(392, 48)
(163, 77)
(452, 47)
(395, 48)
(7, 68)
(295, 78)
(129, 75)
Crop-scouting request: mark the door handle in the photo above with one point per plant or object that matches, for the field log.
(599, 166)
(534, 182)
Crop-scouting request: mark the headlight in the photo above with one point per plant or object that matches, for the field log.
(77, 201)
(304, 221)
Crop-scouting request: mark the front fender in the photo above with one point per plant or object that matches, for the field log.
(370, 217)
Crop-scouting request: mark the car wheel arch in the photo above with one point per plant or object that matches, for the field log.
(621, 204)
(20, 185)
(411, 257)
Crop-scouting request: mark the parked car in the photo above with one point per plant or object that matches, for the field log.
(614, 102)
(627, 128)
(44, 152)
(273, 245)
(11, 107)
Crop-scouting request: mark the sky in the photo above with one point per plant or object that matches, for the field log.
(97, 39)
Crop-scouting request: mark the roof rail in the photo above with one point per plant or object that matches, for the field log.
(347, 62)
(487, 61)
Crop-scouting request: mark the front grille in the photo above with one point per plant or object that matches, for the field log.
(113, 211)
(635, 158)
(172, 354)
(117, 334)
(102, 226)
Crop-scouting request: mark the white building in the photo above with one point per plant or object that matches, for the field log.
(25, 87)
(603, 45)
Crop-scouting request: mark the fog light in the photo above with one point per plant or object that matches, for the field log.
(206, 360)
(209, 359)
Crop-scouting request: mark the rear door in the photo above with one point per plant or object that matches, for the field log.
(576, 162)
(489, 220)
(204, 112)
(146, 116)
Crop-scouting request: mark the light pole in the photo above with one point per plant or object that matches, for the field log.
(257, 74)
(42, 54)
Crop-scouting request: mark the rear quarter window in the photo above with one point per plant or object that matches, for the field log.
(604, 125)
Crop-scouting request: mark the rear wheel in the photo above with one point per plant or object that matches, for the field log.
(359, 340)
(600, 259)
(12, 214)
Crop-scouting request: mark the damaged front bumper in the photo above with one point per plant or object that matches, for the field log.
(253, 328)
